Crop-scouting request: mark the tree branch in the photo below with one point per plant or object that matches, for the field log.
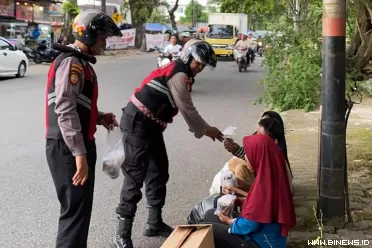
(175, 7)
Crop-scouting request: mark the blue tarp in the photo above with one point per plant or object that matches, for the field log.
(156, 27)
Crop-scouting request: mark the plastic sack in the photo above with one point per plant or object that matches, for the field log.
(229, 132)
(198, 211)
(114, 156)
(226, 205)
(228, 179)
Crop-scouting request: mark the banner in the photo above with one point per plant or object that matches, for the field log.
(127, 40)
(154, 40)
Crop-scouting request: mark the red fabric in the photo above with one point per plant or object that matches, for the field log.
(89, 73)
(269, 198)
(165, 71)
(51, 75)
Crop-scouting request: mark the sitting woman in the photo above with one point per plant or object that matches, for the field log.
(238, 151)
(268, 211)
(268, 126)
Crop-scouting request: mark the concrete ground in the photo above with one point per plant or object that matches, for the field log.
(29, 206)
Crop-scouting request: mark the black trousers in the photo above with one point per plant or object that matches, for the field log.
(76, 201)
(146, 161)
(222, 237)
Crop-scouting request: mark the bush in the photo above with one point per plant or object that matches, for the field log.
(294, 66)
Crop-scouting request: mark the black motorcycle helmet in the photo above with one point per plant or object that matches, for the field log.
(90, 23)
(201, 51)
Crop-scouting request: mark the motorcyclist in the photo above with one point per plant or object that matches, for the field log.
(251, 44)
(166, 42)
(242, 44)
(173, 48)
(43, 45)
(152, 106)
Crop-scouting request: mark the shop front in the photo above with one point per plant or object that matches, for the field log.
(9, 27)
(36, 17)
(56, 20)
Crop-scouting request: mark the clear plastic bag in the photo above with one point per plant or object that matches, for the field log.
(226, 205)
(114, 156)
(228, 179)
(229, 132)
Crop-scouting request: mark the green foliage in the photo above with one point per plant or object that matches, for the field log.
(200, 16)
(294, 67)
(71, 8)
(157, 17)
(261, 13)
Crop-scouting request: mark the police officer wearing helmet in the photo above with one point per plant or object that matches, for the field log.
(71, 119)
(152, 106)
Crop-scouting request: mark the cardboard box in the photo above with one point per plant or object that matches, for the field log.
(190, 236)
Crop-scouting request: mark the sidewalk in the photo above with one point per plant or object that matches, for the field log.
(302, 140)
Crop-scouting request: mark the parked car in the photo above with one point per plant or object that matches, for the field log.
(13, 62)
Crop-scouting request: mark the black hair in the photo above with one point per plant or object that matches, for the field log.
(273, 127)
(174, 35)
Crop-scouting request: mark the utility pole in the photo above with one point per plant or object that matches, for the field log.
(331, 199)
(193, 13)
(103, 6)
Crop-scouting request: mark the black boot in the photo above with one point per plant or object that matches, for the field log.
(155, 225)
(122, 239)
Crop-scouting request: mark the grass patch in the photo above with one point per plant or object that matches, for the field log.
(363, 215)
(359, 151)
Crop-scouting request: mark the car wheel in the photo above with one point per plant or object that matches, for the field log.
(21, 70)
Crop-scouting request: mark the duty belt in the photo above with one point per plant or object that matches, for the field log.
(146, 112)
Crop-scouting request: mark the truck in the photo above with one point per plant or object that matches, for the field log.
(223, 29)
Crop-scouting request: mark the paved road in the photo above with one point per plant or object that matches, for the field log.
(29, 209)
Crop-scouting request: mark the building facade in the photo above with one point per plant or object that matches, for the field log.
(19, 19)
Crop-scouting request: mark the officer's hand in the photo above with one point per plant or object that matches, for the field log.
(214, 133)
(82, 171)
(109, 121)
(231, 146)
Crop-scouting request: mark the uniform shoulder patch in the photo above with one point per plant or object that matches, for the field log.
(75, 73)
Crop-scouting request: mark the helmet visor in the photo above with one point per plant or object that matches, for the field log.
(204, 54)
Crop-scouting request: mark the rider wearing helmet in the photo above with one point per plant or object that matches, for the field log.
(71, 119)
(243, 44)
(152, 106)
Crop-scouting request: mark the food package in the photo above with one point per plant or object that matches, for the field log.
(115, 156)
(226, 205)
(228, 179)
(229, 132)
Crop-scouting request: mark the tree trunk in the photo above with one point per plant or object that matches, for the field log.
(359, 54)
(138, 25)
(172, 17)
(103, 6)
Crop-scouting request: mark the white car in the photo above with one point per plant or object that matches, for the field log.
(13, 62)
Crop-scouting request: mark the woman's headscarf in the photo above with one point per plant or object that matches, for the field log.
(282, 143)
(269, 198)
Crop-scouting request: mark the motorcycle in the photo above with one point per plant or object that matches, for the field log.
(241, 59)
(26, 50)
(43, 53)
(165, 58)
(260, 48)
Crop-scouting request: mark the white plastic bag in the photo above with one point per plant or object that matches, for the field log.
(114, 156)
(226, 205)
(228, 179)
(229, 132)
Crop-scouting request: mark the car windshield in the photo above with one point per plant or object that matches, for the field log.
(220, 31)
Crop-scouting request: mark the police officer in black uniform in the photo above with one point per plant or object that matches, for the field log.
(152, 106)
(71, 118)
